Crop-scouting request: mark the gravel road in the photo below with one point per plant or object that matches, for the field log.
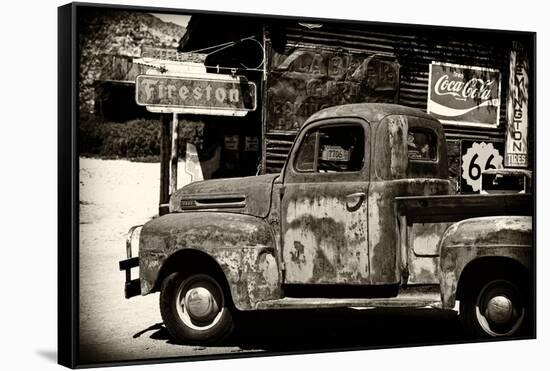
(116, 194)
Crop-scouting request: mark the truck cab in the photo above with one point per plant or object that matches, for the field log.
(338, 224)
(362, 214)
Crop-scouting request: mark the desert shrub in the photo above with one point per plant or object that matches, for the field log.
(135, 139)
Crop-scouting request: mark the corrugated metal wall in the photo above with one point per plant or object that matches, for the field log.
(413, 49)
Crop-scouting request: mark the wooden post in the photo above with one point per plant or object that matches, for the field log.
(174, 155)
(164, 163)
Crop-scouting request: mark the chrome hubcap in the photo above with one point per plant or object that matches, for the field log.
(200, 304)
(500, 309)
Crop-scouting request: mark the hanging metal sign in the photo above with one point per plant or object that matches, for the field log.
(206, 94)
(170, 54)
(464, 95)
(516, 111)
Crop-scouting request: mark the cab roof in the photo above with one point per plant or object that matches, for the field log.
(372, 112)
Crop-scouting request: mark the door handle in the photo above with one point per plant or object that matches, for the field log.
(357, 198)
(356, 195)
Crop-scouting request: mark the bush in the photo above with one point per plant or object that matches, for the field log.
(136, 139)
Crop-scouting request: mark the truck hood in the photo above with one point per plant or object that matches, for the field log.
(249, 195)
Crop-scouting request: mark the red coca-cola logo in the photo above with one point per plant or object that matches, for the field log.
(475, 88)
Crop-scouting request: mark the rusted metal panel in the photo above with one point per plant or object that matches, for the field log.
(425, 237)
(249, 195)
(452, 208)
(397, 132)
(471, 239)
(384, 233)
(242, 245)
(423, 252)
(371, 112)
(395, 161)
(325, 234)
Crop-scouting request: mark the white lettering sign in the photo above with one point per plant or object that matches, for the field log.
(516, 111)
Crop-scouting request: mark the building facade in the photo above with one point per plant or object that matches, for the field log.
(474, 81)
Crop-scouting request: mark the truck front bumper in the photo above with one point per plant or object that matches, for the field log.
(132, 287)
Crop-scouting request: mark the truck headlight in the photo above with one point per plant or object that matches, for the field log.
(132, 241)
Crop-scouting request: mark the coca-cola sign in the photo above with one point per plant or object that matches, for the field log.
(464, 95)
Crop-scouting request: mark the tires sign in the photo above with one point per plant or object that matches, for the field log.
(517, 110)
(476, 158)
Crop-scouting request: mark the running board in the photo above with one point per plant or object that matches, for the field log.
(403, 300)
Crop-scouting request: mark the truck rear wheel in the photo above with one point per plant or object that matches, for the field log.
(495, 308)
(195, 309)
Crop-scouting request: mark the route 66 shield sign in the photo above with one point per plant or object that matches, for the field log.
(476, 158)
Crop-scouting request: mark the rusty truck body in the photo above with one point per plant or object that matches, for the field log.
(362, 214)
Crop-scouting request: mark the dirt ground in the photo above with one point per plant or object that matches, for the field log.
(117, 194)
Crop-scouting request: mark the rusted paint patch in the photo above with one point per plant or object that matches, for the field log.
(423, 255)
(323, 269)
(423, 270)
(297, 255)
(491, 231)
(383, 228)
(372, 112)
(242, 245)
(448, 284)
(323, 241)
(426, 237)
(397, 131)
(383, 234)
(256, 189)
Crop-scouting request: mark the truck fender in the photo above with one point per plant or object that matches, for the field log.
(483, 242)
(241, 246)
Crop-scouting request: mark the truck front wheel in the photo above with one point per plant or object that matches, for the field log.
(195, 309)
(494, 308)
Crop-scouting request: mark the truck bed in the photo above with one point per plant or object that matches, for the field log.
(453, 208)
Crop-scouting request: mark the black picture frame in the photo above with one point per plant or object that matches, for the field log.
(68, 173)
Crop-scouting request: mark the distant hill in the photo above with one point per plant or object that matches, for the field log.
(103, 33)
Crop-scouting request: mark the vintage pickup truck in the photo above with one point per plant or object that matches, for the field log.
(361, 215)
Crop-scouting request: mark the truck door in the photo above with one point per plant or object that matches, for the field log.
(324, 207)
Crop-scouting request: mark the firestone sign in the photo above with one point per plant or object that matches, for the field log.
(203, 95)
(464, 95)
